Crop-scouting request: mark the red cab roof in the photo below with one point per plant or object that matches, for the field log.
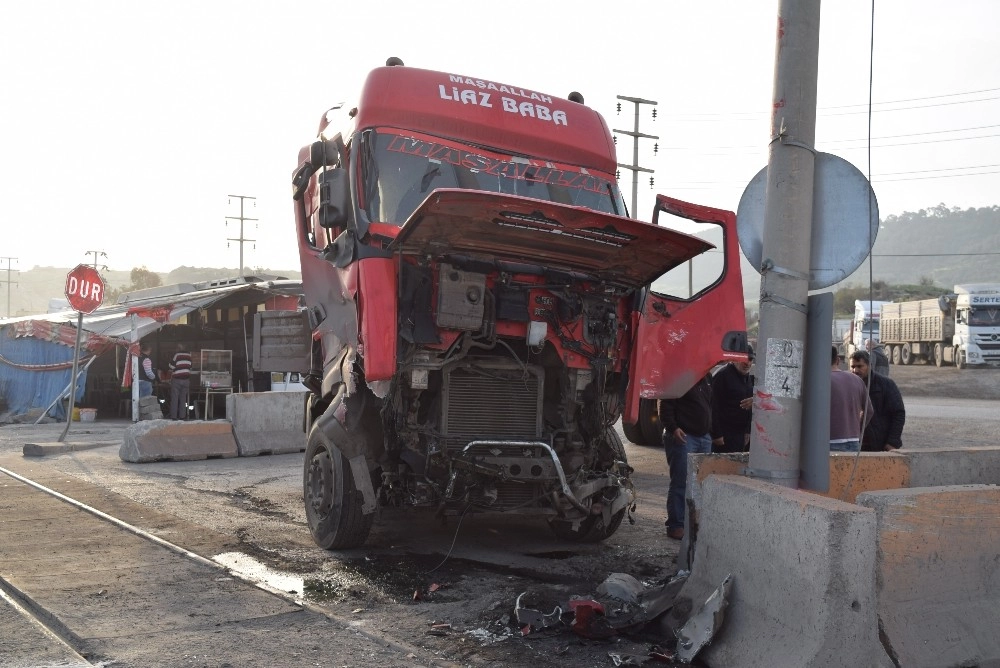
(487, 113)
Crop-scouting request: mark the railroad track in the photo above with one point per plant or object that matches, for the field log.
(80, 587)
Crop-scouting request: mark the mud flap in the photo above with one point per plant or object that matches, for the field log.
(363, 481)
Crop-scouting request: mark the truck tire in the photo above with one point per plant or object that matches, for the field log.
(633, 433)
(896, 355)
(648, 430)
(959, 358)
(332, 500)
(905, 354)
(592, 529)
(938, 354)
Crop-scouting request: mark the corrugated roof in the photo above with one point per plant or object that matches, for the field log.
(167, 304)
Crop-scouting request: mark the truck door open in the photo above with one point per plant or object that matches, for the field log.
(692, 317)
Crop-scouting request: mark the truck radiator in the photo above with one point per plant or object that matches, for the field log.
(491, 399)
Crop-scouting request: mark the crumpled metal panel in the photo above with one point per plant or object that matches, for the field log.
(702, 626)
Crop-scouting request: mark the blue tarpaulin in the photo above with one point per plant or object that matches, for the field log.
(34, 372)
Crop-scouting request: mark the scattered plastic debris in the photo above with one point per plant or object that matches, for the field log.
(702, 626)
(529, 619)
(486, 637)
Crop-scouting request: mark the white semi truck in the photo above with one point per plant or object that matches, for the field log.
(960, 328)
(865, 325)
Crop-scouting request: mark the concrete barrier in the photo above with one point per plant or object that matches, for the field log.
(937, 467)
(938, 574)
(172, 440)
(267, 423)
(803, 570)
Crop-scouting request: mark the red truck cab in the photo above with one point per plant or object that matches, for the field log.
(482, 309)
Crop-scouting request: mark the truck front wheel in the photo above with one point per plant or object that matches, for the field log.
(332, 500)
(959, 358)
(648, 430)
(592, 528)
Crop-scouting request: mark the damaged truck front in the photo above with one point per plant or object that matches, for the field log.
(482, 311)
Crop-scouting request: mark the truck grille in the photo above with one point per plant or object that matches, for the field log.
(491, 400)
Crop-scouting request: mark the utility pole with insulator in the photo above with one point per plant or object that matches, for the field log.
(96, 254)
(242, 218)
(8, 281)
(635, 134)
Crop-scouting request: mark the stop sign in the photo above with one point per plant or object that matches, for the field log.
(84, 288)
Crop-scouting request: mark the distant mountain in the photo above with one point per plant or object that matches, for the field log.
(32, 290)
(944, 245)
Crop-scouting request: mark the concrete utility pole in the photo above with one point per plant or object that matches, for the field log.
(775, 441)
(241, 218)
(635, 134)
(9, 259)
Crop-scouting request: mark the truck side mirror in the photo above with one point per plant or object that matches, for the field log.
(326, 152)
(334, 198)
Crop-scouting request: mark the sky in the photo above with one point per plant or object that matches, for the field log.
(126, 127)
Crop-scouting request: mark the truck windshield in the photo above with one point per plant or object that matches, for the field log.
(869, 326)
(984, 317)
(399, 171)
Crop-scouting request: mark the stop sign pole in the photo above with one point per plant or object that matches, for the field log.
(84, 292)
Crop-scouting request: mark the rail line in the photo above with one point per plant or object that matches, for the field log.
(139, 575)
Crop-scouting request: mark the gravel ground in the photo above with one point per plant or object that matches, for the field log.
(449, 587)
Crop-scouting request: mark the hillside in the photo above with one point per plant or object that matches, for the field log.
(31, 290)
(940, 246)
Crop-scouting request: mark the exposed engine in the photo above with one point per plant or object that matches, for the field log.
(507, 392)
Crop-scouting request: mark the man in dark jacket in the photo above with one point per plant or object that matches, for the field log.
(732, 401)
(687, 425)
(885, 431)
(878, 356)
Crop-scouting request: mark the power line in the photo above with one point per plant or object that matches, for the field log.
(877, 178)
(930, 254)
(756, 115)
(918, 99)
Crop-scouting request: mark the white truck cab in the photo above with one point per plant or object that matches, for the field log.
(977, 324)
(864, 326)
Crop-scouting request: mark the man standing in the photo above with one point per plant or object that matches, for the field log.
(881, 365)
(687, 425)
(147, 374)
(885, 431)
(850, 409)
(180, 380)
(732, 401)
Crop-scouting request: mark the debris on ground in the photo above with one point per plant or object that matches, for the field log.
(702, 626)
(621, 604)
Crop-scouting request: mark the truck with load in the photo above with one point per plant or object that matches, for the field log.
(960, 328)
(480, 310)
(864, 325)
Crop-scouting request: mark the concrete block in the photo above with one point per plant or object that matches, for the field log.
(938, 574)
(937, 467)
(803, 570)
(57, 447)
(150, 408)
(267, 423)
(172, 440)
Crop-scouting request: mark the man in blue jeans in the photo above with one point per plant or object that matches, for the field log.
(687, 429)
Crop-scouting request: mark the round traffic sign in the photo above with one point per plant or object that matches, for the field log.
(84, 288)
(844, 220)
